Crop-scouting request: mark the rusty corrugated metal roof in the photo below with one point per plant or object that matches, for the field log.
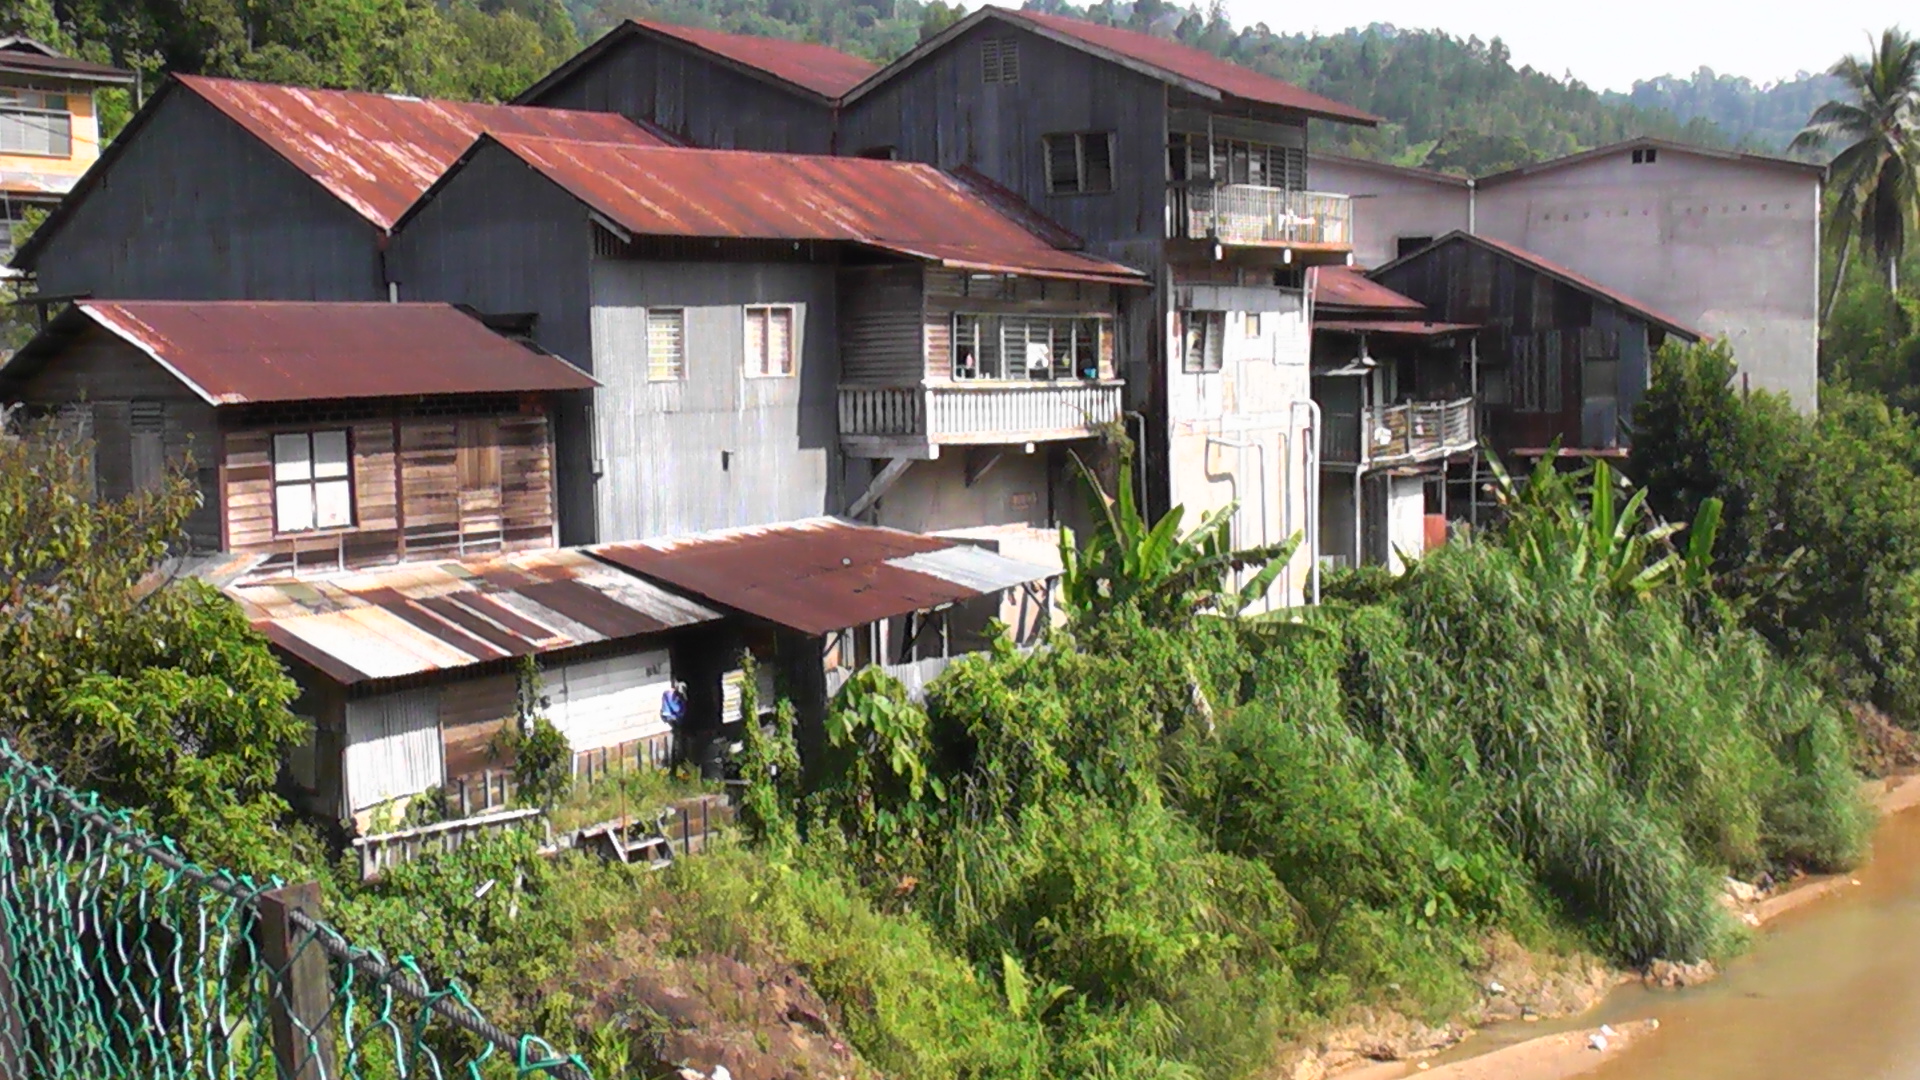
(823, 70)
(233, 352)
(897, 206)
(817, 70)
(1554, 270)
(1399, 327)
(1193, 65)
(820, 575)
(417, 618)
(1339, 286)
(378, 152)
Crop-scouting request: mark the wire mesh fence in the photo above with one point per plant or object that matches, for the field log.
(121, 958)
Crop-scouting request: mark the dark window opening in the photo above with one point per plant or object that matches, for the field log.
(879, 153)
(1646, 155)
(1407, 245)
(999, 60)
(1080, 163)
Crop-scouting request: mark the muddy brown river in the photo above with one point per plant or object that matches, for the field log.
(1828, 992)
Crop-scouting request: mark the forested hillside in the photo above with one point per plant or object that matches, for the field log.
(1768, 116)
(1451, 103)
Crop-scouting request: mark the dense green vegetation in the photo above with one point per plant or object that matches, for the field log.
(1766, 116)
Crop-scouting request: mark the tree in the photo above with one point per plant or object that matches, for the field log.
(155, 693)
(1877, 170)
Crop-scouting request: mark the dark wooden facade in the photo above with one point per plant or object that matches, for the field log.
(429, 478)
(1558, 361)
(196, 207)
(699, 99)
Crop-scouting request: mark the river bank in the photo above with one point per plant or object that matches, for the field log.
(1558, 1043)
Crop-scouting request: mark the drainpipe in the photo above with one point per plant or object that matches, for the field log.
(1310, 461)
(1261, 449)
(1473, 207)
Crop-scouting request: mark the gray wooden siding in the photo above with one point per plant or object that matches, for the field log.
(503, 239)
(707, 104)
(198, 209)
(1544, 350)
(881, 339)
(942, 113)
(134, 408)
(715, 449)
(951, 291)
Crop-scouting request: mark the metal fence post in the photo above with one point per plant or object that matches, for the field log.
(302, 994)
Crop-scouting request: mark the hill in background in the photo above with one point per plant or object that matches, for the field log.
(1451, 103)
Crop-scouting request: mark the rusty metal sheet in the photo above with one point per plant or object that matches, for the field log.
(378, 152)
(825, 71)
(1339, 286)
(815, 576)
(407, 620)
(242, 351)
(894, 205)
(1400, 327)
(1194, 66)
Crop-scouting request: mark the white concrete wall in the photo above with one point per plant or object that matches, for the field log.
(1729, 248)
(1388, 205)
(934, 495)
(1406, 520)
(1249, 401)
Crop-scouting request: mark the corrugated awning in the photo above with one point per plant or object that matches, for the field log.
(412, 619)
(820, 575)
(1403, 327)
(239, 352)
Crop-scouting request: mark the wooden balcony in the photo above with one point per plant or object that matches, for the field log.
(1250, 215)
(1398, 434)
(915, 421)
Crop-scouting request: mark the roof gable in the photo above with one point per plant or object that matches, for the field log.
(815, 71)
(1349, 290)
(239, 352)
(1601, 153)
(1191, 69)
(908, 209)
(1549, 268)
(376, 153)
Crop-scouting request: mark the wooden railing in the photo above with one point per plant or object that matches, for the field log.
(983, 412)
(1419, 431)
(1249, 214)
(385, 850)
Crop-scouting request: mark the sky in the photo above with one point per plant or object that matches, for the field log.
(1609, 44)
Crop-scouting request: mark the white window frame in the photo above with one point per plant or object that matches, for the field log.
(1213, 332)
(674, 369)
(292, 475)
(32, 110)
(984, 330)
(1080, 185)
(757, 366)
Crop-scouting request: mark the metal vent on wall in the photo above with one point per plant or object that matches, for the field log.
(1000, 60)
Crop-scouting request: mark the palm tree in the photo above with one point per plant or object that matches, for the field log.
(1877, 170)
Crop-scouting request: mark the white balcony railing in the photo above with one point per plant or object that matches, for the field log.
(985, 412)
(1250, 214)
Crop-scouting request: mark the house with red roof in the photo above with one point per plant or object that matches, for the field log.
(709, 88)
(225, 189)
(1181, 163)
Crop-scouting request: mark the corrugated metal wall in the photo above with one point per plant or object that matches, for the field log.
(707, 104)
(393, 747)
(717, 448)
(504, 239)
(198, 209)
(881, 335)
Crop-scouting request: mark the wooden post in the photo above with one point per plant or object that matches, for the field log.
(13, 1028)
(302, 989)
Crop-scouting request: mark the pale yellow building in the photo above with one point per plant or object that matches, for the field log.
(49, 126)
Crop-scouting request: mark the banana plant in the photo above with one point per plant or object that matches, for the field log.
(1168, 575)
(1574, 524)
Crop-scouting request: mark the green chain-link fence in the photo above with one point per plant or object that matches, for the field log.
(122, 960)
